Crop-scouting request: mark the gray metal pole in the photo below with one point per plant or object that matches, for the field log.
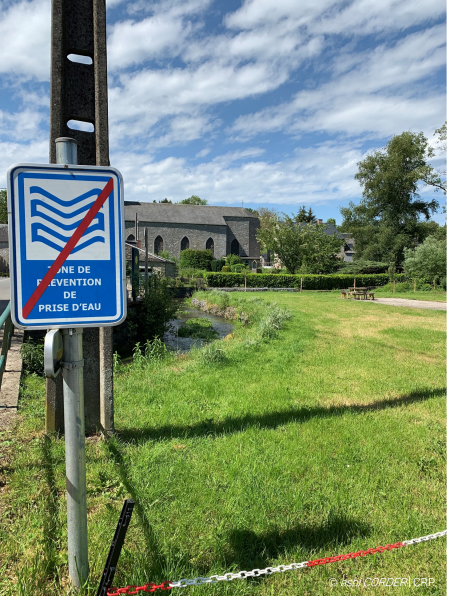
(66, 151)
(75, 456)
(73, 389)
(146, 257)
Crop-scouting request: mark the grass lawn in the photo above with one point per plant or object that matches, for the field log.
(327, 439)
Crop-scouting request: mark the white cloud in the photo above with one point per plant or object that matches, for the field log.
(15, 152)
(229, 179)
(254, 13)
(378, 93)
(23, 125)
(148, 96)
(203, 153)
(133, 42)
(354, 17)
(164, 33)
(25, 39)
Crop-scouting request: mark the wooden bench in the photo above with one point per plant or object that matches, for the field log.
(358, 294)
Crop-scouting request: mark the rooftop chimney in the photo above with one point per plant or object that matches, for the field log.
(320, 221)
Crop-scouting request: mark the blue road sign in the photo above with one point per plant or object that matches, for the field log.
(66, 246)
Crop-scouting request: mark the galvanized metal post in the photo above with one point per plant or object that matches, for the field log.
(66, 151)
(74, 430)
(75, 456)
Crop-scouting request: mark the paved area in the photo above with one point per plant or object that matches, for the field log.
(9, 393)
(410, 303)
(4, 293)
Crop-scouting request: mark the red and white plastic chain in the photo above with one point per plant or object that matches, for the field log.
(131, 590)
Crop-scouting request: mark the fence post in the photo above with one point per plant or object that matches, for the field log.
(415, 280)
(146, 258)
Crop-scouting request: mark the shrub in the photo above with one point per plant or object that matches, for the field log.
(147, 320)
(212, 355)
(428, 261)
(310, 282)
(216, 265)
(237, 268)
(196, 259)
(226, 269)
(32, 353)
(233, 259)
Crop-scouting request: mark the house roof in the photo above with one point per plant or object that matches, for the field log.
(153, 258)
(4, 233)
(183, 213)
(330, 229)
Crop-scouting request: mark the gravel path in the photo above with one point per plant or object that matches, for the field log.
(410, 303)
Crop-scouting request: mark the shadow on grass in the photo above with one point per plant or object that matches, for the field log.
(250, 551)
(52, 525)
(157, 558)
(269, 421)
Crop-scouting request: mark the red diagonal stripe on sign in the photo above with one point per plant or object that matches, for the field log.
(77, 234)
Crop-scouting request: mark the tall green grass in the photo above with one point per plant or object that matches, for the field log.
(324, 439)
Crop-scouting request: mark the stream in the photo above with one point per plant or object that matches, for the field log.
(186, 311)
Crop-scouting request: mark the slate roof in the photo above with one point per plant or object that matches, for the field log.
(4, 233)
(183, 213)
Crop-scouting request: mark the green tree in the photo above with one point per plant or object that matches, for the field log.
(305, 216)
(389, 215)
(3, 207)
(310, 217)
(194, 200)
(266, 216)
(332, 221)
(428, 261)
(165, 201)
(440, 149)
(302, 215)
(301, 245)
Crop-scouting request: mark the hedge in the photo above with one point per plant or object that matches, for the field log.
(310, 282)
(196, 259)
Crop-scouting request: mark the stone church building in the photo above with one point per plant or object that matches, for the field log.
(177, 227)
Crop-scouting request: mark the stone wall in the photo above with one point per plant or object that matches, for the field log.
(238, 229)
(172, 234)
(255, 249)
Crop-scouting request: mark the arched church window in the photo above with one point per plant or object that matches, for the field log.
(130, 238)
(184, 244)
(158, 245)
(235, 247)
(210, 245)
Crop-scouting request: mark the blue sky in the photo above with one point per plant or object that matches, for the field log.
(242, 102)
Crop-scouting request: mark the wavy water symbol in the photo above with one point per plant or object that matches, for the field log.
(53, 221)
